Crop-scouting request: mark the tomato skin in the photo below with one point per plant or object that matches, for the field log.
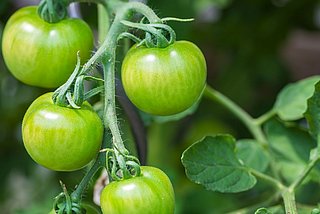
(149, 193)
(61, 138)
(44, 54)
(164, 81)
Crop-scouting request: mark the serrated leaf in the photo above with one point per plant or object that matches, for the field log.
(252, 154)
(313, 112)
(291, 102)
(212, 162)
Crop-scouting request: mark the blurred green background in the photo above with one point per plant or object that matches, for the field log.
(253, 48)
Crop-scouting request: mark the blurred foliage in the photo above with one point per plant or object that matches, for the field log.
(242, 42)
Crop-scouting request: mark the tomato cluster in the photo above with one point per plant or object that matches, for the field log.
(159, 81)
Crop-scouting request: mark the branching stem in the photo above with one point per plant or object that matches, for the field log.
(239, 112)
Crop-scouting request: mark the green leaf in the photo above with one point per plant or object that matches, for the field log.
(291, 145)
(291, 102)
(212, 162)
(313, 112)
(291, 170)
(252, 154)
(289, 141)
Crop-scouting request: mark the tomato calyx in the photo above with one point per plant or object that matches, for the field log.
(121, 166)
(157, 35)
(64, 203)
(72, 93)
(53, 11)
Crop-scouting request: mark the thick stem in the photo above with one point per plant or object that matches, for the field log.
(110, 116)
(289, 202)
(106, 53)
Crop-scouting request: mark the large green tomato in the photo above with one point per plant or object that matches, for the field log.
(164, 81)
(149, 193)
(43, 54)
(61, 138)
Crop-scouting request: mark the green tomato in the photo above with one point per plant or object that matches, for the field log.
(61, 138)
(44, 54)
(149, 193)
(164, 81)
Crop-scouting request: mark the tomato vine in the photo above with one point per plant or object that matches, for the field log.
(150, 188)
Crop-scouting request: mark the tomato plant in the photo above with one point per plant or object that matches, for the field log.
(149, 193)
(161, 76)
(61, 138)
(164, 81)
(89, 209)
(44, 54)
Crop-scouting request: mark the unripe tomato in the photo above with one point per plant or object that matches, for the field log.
(44, 54)
(149, 193)
(61, 138)
(164, 81)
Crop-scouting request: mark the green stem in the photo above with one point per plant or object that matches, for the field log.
(304, 174)
(289, 202)
(287, 193)
(106, 53)
(118, 28)
(248, 121)
(265, 117)
(99, 162)
(251, 209)
(239, 112)
(268, 179)
(110, 117)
